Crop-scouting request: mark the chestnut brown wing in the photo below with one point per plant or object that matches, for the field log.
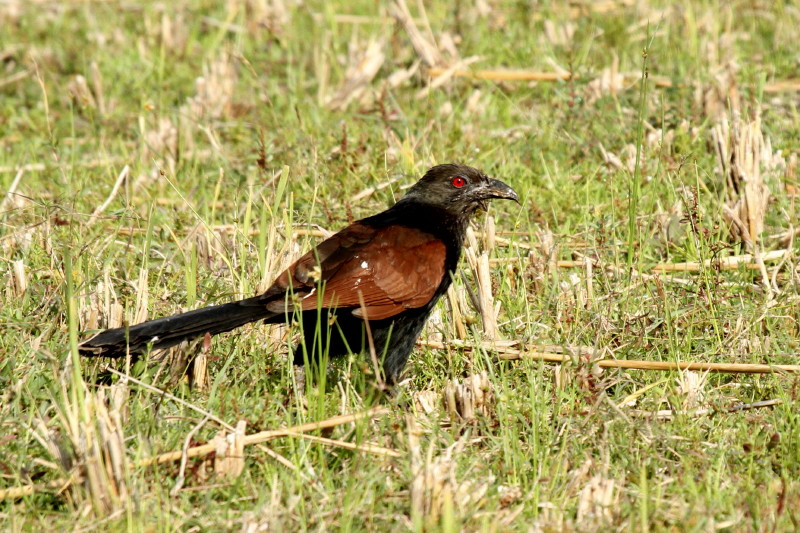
(389, 270)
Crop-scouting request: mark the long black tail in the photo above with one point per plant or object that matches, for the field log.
(172, 330)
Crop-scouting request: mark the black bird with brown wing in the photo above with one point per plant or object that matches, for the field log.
(387, 270)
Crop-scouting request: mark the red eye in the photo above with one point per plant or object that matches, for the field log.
(459, 181)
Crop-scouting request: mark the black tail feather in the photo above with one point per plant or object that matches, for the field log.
(169, 331)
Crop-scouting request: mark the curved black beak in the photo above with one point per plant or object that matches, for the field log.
(498, 189)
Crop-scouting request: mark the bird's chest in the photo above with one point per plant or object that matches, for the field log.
(452, 258)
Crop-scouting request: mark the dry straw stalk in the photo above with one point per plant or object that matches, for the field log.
(206, 449)
(777, 86)
(552, 354)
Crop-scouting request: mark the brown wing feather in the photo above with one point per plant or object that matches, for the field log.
(388, 270)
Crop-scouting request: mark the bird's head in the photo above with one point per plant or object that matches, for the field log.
(459, 189)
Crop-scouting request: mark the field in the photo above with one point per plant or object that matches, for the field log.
(157, 157)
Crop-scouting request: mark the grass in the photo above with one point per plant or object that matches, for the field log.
(223, 113)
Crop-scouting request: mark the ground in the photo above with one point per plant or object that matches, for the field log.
(160, 156)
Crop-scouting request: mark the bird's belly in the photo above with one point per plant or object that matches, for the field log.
(338, 333)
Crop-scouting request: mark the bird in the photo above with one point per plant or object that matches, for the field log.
(371, 286)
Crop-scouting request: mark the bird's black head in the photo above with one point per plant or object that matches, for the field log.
(459, 189)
